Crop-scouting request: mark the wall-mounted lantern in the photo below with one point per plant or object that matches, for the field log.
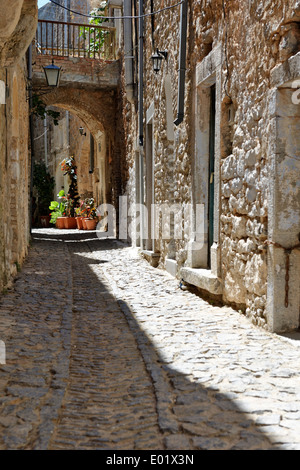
(52, 73)
(81, 131)
(157, 59)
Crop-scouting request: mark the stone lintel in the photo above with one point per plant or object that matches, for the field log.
(202, 278)
(286, 73)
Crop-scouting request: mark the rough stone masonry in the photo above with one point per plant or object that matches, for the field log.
(249, 53)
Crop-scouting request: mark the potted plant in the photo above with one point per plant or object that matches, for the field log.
(78, 218)
(68, 166)
(84, 210)
(58, 210)
(89, 212)
(81, 214)
(43, 184)
(70, 221)
(92, 220)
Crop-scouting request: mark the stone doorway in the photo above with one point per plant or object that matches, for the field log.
(283, 301)
(211, 171)
(203, 265)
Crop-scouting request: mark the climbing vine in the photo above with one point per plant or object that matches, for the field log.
(96, 37)
(38, 109)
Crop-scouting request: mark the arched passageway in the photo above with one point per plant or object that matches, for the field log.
(96, 147)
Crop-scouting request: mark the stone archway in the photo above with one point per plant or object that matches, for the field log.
(98, 110)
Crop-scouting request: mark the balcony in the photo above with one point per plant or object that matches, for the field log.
(76, 40)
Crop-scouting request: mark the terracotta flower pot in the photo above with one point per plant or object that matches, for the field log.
(79, 223)
(70, 222)
(91, 224)
(84, 223)
(60, 222)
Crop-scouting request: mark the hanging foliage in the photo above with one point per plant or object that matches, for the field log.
(38, 109)
(95, 36)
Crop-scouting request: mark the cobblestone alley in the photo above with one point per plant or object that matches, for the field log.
(105, 352)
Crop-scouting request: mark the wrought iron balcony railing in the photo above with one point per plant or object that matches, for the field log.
(58, 38)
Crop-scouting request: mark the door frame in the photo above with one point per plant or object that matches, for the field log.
(208, 74)
(283, 290)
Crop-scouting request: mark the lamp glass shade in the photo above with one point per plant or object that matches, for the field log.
(156, 59)
(52, 73)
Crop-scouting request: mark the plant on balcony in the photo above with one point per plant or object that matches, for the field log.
(95, 36)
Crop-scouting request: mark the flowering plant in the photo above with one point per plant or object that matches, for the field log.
(69, 167)
(93, 214)
(87, 209)
(81, 211)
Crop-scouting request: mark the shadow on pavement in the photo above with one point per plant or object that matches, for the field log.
(90, 236)
(190, 415)
(74, 378)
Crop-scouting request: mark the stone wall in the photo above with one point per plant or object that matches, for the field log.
(89, 72)
(18, 22)
(14, 204)
(249, 40)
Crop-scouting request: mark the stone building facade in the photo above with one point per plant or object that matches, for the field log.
(17, 26)
(211, 142)
(230, 162)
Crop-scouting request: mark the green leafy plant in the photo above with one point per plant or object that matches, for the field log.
(39, 109)
(58, 208)
(44, 184)
(95, 36)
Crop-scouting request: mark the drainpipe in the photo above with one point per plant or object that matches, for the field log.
(46, 142)
(91, 170)
(128, 55)
(141, 66)
(182, 62)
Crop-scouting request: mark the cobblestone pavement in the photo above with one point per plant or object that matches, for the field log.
(105, 352)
